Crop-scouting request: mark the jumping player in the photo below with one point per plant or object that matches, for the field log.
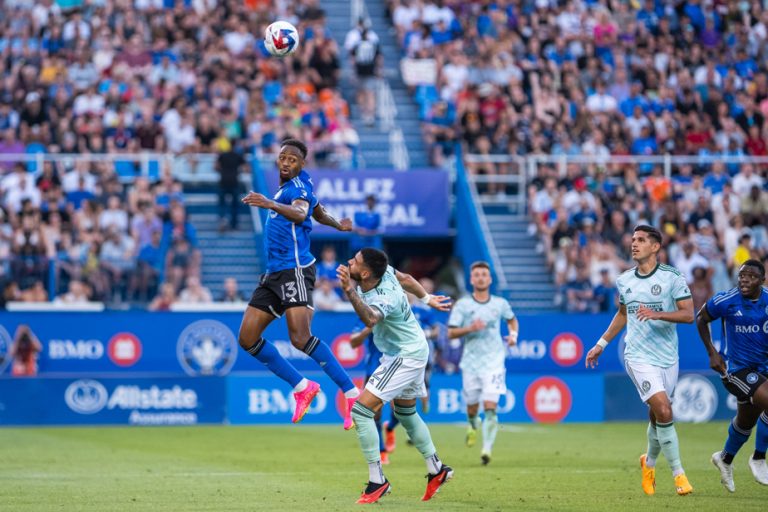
(286, 288)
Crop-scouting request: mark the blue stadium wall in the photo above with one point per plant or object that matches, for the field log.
(187, 368)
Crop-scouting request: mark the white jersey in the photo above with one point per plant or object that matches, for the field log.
(398, 333)
(651, 342)
(484, 350)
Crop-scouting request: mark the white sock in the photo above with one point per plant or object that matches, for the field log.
(375, 474)
(434, 464)
(301, 386)
(678, 472)
(649, 462)
(487, 447)
(352, 393)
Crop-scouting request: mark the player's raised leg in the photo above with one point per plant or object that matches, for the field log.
(299, 325)
(250, 337)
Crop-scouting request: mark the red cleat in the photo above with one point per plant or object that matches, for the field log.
(348, 421)
(436, 481)
(373, 492)
(389, 438)
(304, 400)
(384, 458)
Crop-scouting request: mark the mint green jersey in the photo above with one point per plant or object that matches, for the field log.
(484, 350)
(653, 341)
(398, 333)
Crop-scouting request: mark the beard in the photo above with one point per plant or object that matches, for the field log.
(355, 276)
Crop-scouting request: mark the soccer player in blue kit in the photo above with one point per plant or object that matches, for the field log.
(286, 287)
(742, 363)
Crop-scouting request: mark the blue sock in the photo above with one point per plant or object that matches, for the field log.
(736, 438)
(761, 438)
(268, 354)
(393, 419)
(323, 356)
(382, 448)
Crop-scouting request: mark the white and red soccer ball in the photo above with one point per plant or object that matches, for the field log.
(281, 39)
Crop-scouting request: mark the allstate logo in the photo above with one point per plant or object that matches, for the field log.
(206, 347)
(695, 399)
(5, 349)
(86, 396)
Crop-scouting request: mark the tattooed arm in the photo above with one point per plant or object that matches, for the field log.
(370, 316)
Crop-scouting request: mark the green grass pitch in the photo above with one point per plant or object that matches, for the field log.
(585, 467)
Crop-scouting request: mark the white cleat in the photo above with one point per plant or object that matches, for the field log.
(726, 472)
(759, 470)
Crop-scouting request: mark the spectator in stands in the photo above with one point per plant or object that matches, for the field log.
(368, 229)
(35, 293)
(77, 294)
(579, 292)
(366, 55)
(701, 287)
(149, 266)
(326, 267)
(689, 259)
(194, 292)
(605, 293)
(229, 165)
(24, 351)
(164, 299)
(324, 296)
(231, 292)
(118, 259)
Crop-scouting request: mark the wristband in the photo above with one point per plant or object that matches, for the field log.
(602, 343)
(425, 299)
(513, 334)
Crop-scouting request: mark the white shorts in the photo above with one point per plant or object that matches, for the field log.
(487, 387)
(398, 378)
(650, 379)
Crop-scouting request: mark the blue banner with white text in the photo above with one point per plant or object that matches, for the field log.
(413, 203)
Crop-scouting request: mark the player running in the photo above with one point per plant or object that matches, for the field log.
(380, 302)
(286, 287)
(477, 319)
(653, 298)
(743, 366)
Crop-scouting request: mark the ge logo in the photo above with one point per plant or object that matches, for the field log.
(656, 289)
(695, 399)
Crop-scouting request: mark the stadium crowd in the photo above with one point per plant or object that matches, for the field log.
(600, 79)
(91, 78)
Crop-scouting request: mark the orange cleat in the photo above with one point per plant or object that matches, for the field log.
(434, 482)
(373, 492)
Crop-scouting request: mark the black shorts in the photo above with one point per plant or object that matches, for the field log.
(743, 383)
(284, 289)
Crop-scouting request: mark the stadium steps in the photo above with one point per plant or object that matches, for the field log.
(529, 287)
(224, 254)
(374, 142)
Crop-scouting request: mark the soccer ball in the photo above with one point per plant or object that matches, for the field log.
(281, 39)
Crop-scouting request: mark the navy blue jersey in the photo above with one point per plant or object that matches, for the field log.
(372, 353)
(287, 244)
(745, 329)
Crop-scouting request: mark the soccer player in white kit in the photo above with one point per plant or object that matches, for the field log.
(477, 319)
(653, 297)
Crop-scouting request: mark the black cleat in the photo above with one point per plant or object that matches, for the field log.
(434, 482)
(373, 492)
(485, 458)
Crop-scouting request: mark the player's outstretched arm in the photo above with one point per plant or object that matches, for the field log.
(716, 361)
(618, 323)
(411, 285)
(295, 212)
(370, 316)
(321, 215)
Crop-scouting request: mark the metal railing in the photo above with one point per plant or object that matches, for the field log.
(386, 109)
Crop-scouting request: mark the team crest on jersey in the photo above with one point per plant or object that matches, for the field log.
(646, 386)
(656, 289)
(5, 349)
(206, 347)
(751, 378)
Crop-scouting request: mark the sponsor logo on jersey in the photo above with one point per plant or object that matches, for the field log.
(548, 400)
(695, 399)
(566, 349)
(206, 347)
(347, 355)
(751, 329)
(124, 349)
(5, 349)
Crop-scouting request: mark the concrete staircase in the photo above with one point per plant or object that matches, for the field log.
(227, 254)
(375, 140)
(522, 275)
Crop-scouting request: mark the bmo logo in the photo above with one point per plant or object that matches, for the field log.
(566, 349)
(124, 349)
(548, 400)
(347, 355)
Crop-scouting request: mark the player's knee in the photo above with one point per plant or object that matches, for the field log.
(663, 413)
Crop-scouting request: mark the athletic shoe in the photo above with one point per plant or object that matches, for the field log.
(434, 482)
(389, 438)
(726, 471)
(348, 421)
(384, 458)
(759, 470)
(471, 436)
(304, 400)
(682, 485)
(485, 458)
(649, 477)
(373, 492)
